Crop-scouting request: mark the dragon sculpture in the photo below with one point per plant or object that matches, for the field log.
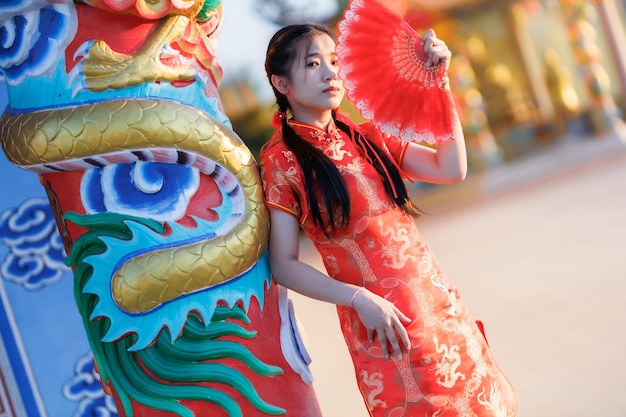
(115, 105)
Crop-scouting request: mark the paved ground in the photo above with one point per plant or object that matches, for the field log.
(538, 250)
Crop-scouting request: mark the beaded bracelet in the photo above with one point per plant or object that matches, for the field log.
(354, 295)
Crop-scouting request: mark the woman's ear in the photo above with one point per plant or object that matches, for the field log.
(280, 83)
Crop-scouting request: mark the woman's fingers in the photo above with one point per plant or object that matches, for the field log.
(436, 49)
(403, 317)
(400, 330)
(428, 34)
(388, 337)
(438, 54)
(392, 335)
(384, 320)
(393, 341)
(382, 339)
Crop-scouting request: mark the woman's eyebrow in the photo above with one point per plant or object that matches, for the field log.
(318, 54)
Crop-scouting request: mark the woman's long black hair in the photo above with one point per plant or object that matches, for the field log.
(319, 172)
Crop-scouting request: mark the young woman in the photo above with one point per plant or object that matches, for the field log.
(416, 350)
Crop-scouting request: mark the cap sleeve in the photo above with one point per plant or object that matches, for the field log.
(394, 145)
(282, 183)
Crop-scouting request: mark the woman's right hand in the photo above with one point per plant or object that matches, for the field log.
(383, 319)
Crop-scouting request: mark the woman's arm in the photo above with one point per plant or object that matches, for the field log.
(294, 274)
(446, 163)
(378, 315)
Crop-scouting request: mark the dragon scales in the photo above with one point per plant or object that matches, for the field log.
(114, 104)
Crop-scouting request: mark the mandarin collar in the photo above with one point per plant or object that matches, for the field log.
(315, 133)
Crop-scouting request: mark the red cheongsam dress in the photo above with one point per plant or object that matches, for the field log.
(449, 371)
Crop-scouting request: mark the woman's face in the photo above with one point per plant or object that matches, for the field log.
(314, 89)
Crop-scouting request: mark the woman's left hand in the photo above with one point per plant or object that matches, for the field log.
(436, 49)
(384, 320)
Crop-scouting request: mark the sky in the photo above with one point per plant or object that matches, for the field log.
(245, 35)
(243, 42)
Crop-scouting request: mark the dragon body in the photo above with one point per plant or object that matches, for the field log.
(114, 104)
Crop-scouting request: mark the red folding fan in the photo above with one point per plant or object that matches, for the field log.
(383, 66)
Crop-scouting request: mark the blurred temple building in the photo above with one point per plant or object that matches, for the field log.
(527, 73)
